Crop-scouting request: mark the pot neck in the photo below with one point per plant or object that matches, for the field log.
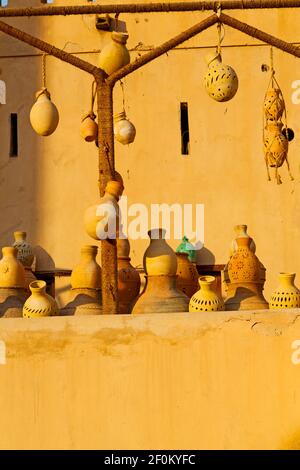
(10, 251)
(20, 236)
(89, 252)
(38, 287)
(287, 279)
(207, 282)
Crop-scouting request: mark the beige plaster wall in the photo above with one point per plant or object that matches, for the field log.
(47, 188)
(165, 381)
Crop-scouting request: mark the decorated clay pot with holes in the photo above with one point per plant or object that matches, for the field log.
(186, 247)
(159, 258)
(206, 299)
(12, 272)
(243, 265)
(241, 232)
(275, 145)
(39, 304)
(89, 127)
(124, 130)
(25, 252)
(187, 275)
(129, 284)
(101, 221)
(287, 295)
(220, 81)
(87, 274)
(273, 105)
(115, 54)
(44, 115)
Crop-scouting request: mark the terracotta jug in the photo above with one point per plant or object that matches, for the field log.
(89, 127)
(187, 275)
(124, 130)
(273, 104)
(221, 82)
(287, 295)
(123, 247)
(39, 304)
(25, 252)
(12, 272)
(101, 221)
(44, 115)
(87, 274)
(241, 232)
(115, 54)
(206, 299)
(159, 258)
(186, 247)
(129, 284)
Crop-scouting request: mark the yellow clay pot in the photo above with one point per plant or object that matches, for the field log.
(12, 272)
(115, 54)
(87, 274)
(39, 304)
(89, 128)
(287, 295)
(206, 299)
(44, 115)
(159, 258)
(220, 81)
(25, 252)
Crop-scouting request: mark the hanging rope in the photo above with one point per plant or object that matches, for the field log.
(44, 70)
(123, 95)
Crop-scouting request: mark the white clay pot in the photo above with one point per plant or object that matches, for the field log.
(124, 130)
(44, 115)
(115, 54)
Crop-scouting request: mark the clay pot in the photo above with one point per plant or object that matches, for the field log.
(243, 265)
(186, 247)
(89, 127)
(287, 295)
(12, 272)
(220, 81)
(101, 221)
(187, 275)
(129, 284)
(44, 115)
(161, 296)
(115, 54)
(11, 302)
(206, 299)
(159, 258)
(124, 130)
(25, 252)
(39, 304)
(275, 145)
(241, 232)
(123, 247)
(83, 302)
(273, 105)
(87, 274)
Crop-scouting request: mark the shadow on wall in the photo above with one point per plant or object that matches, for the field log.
(205, 257)
(43, 260)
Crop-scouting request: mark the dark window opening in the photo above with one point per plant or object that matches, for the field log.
(13, 135)
(185, 134)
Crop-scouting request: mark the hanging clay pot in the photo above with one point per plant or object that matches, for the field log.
(187, 275)
(44, 115)
(159, 258)
(101, 221)
(206, 299)
(273, 105)
(87, 274)
(161, 296)
(39, 304)
(221, 82)
(124, 130)
(115, 54)
(287, 295)
(25, 252)
(129, 284)
(186, 247)
(275, 145)
(241, 232)
(12, 272)
(89, 127)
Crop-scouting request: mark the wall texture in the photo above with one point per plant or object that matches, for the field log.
(165, 381)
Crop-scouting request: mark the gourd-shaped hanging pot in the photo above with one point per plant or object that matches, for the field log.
(273, 104)
(44, 115)
(287, 295)
(159, 258)
(87, 274)
(220, 81)
(124, 130)
(206, 299)
(12, 273)
(89, 127)
(101, 220)
(276, 145)
(115, 54)
(39, 304)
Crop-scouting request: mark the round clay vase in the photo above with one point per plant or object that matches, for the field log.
(101, 220)
(12, 272)
(287, 295)
(39, 304)
(115, 54)
(129, 284)
(273, 105)
(241, 232)
(89, 127)
(124, 130)
(25, 252)
(275, 145)
(186, 247)
(206, 299)
(159, 258)
(243, 265)
(87, 274)
(44, 115)
(220, 81)
(187, 275)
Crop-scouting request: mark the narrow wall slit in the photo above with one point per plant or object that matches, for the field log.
(185, 133)
(13, 135)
